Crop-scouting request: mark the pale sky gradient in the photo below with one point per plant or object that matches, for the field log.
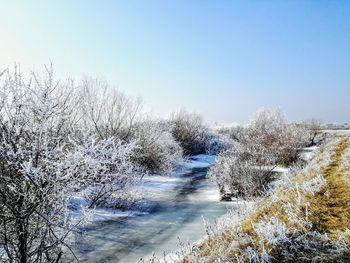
(223, 59)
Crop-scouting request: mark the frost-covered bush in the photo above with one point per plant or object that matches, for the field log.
(194, 136)
(104, 169)
(268, 132)
(246, 169)
(269, 135)
(156, 149)
(36, 117)
(188, 130)
(109, 113)
(234, 132)
(238, 173)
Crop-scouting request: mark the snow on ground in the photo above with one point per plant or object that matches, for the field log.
(308, 153)
(338, 132)
(78, 203)
(159, 183)
(210, 194)
(158, 188)
(281, 169)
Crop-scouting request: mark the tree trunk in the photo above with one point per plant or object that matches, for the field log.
(22, 238)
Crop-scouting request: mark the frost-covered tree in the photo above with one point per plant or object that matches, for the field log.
(36, 116)
(106, 110)
(45, 159)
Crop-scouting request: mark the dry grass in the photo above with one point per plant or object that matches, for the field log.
(331, 206)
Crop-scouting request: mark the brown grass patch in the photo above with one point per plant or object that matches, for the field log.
(331, 206)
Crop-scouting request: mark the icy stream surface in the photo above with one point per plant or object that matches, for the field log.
(175, 210)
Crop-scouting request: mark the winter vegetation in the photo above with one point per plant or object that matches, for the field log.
(301, 215)
(247, 167)
(61, 141)
(70, 148)
(189, 131)
(304, 217)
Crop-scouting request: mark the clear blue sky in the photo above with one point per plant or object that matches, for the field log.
(223, 59)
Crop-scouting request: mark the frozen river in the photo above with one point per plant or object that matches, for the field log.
(177, 205)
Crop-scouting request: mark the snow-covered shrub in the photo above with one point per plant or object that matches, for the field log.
(188, 130)
(35, 182)
(246, 169)
(104, 169)
(194, 136)
(109, 113)
(269, 136)
(156, 149)
(238, 173)
(269, 133)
